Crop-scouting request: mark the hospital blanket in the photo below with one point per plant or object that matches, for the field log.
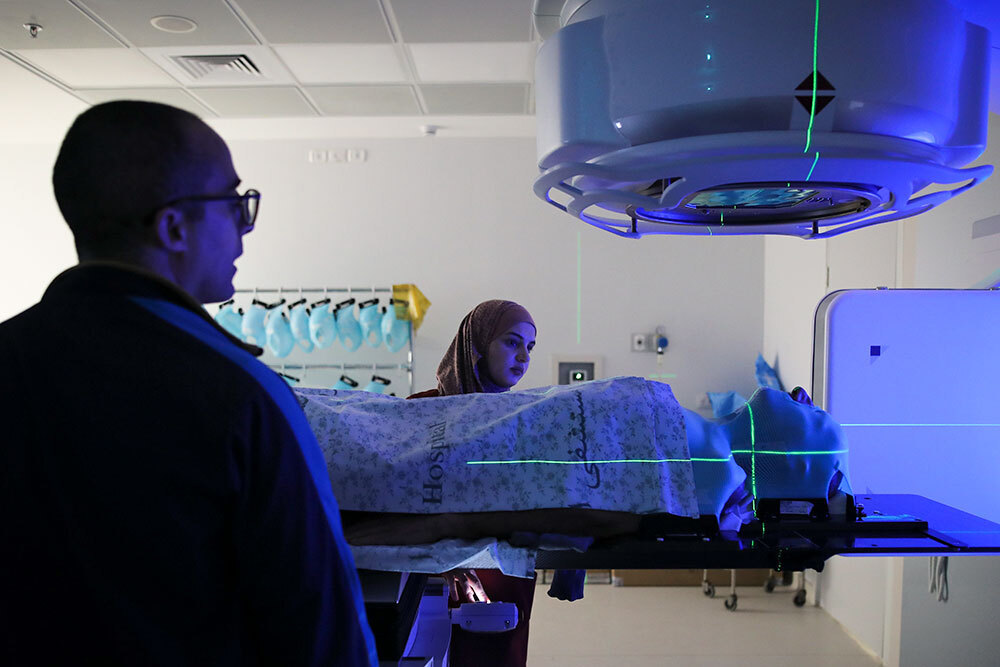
(446, 555)
(616, 444)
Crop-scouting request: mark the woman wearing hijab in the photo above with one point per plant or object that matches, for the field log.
(490, 354)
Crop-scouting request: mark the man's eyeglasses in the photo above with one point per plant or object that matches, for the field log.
(249, 204)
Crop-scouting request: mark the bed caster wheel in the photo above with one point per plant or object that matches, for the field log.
(731, 603)
(769, 585)
(708, 589)
(799, 599)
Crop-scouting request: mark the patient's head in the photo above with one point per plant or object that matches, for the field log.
(796, 444)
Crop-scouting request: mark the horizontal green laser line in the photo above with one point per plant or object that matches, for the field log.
(780, 453)
(934, 425)
(580, 463)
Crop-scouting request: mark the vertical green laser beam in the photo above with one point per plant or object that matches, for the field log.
(753, 455)
(579, 285)
(812, 111)
(815, 160)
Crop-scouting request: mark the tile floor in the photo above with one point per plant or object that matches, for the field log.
(633, 626)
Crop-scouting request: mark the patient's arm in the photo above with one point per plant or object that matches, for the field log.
(362, 528)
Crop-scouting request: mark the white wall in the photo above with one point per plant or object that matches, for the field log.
(885, 605)
(457, 218)
(35, 243)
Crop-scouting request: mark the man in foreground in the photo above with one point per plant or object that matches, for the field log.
(162, 498)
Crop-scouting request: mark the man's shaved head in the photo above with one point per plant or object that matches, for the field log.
(121, 160)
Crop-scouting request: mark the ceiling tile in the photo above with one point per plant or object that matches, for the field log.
(482, 61)
(472, 20)
(64, 26)
(257, 102)
(175, 97)
(318, 21)
(270, 70)
(463, 99)
(98, 68)
(216, 23)
(365, 100)
(343, 63)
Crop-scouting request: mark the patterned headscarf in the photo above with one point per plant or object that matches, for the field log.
(459, 372)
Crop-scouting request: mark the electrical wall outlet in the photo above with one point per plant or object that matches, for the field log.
(639, 342)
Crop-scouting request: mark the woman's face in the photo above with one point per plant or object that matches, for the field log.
(509, 355)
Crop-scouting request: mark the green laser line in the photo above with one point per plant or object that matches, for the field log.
(581, 463)
(815, 160)
(579, 289)
(765, 452)
(695, 459)
(709, 231)
(812, 111)
(753, 455)
(932, 425)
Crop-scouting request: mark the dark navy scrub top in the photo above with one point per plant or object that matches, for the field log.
(162, 498)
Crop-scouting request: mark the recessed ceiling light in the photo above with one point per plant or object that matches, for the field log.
(174, 24)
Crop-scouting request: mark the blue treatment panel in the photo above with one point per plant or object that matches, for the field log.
(913, 377)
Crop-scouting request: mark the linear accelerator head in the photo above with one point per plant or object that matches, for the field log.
(716, 117)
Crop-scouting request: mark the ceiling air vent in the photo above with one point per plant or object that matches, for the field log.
(201, 67)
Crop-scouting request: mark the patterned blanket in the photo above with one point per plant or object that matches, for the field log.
(616, 444)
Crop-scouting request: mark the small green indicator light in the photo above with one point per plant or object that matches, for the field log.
(708, 56)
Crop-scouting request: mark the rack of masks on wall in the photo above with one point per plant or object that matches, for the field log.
(357, 338)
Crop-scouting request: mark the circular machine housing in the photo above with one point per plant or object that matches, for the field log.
(729, 117)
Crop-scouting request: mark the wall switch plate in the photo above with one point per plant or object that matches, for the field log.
(639, 342)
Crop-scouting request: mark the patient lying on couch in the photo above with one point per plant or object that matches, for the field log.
(587, 459)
